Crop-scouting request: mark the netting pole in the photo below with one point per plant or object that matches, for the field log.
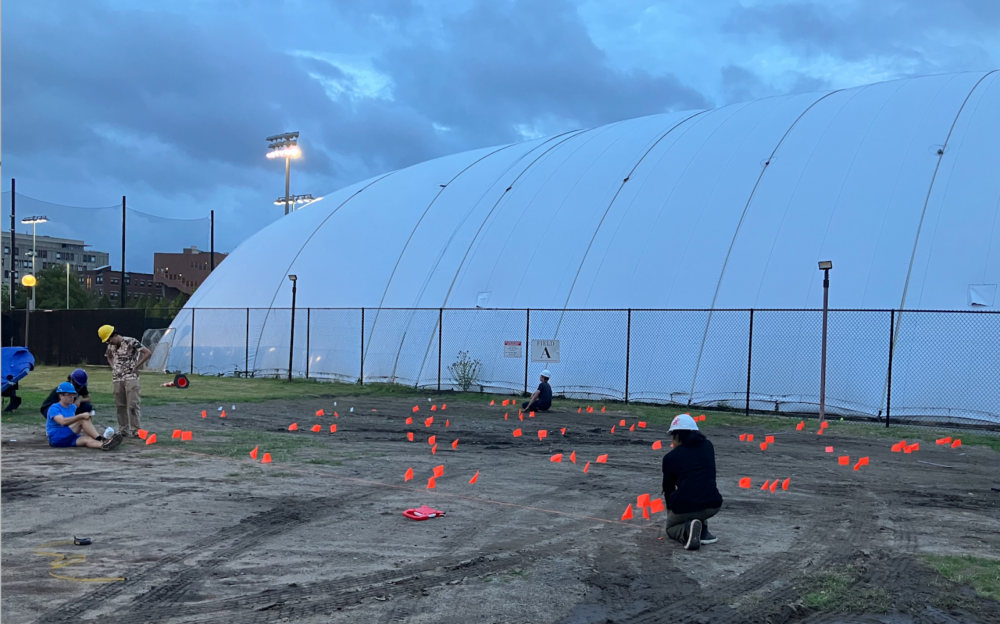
(749, 361)
(308, 328)
(440, 334)
(192, 341)
(13, 229)
(212, 243)
(888, 395)
(246, 360)
(122, 290)
(361, 378)
(628, 351)
(527, 346)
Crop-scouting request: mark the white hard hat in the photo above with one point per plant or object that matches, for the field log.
(683, 422)
(546, 374)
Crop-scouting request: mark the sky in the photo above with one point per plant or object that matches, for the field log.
(169, 103)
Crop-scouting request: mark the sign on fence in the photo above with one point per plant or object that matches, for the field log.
(545, 351)
(512, 349)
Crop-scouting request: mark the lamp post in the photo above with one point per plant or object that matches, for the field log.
(291, 338)
(295, 199)
(28, 281)
(285, 146)
(825, 266)
(34, 221)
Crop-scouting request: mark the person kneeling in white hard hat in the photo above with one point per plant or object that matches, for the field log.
(541, 398)
(689, 484)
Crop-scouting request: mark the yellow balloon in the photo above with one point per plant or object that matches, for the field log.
(28, 280)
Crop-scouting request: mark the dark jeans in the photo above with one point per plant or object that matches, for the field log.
(536, 408)
(676, 523)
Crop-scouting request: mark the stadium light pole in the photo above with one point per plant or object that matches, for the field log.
(285, 146)
(34, 221)
(295, 199)
(825, 266)
(291, 338)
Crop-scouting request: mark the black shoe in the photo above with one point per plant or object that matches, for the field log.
(706, 536)
(112, 443)
(693, 536)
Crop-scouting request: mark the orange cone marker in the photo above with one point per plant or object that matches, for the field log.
(763, 446)
(749, 437)
(632, 428)
(642, 501)
(657, 445)
(447, 423)
(743, 437)
(829, 449)
(612, 428)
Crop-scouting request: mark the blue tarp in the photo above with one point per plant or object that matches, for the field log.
(17, 362)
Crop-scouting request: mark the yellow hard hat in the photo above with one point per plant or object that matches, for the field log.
(105, 332)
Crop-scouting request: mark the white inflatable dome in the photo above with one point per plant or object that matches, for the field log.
(727, 209)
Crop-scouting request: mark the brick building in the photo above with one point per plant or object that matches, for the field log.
(185, 271)
(102, 281)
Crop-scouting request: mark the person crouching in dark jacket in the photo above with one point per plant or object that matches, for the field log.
(689, 484)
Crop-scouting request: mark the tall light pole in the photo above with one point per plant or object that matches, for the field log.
(34, 221)
(285, 146)
(825, 266)
(291, 339)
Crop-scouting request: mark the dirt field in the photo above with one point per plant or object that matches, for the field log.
(204, 534)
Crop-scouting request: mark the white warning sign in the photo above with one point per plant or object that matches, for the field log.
(545, 351)
(513, 349)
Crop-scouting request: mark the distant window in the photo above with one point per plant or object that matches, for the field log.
(17, 251)
(6, 251)
(26, 264)
(69, 256)
(114, 280)
(6, 274)
(44, 253)
(100, 279)
(58, 255)
(113, 294)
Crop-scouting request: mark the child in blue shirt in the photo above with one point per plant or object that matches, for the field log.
(65, 428)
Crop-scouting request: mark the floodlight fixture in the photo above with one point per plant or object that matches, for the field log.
(285, 146)
(29, 281)
(34, 220)
(825, 265)
(293, 277)
(295, 199)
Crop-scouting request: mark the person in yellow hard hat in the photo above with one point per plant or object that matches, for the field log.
(126, 356)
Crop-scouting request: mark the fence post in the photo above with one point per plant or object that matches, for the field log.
(308, 328)
(440, 335)
(628, 351)
(246, 360)
(361, 379)
(527, 345)
(191, 372)
(749, 361)
(892, 341)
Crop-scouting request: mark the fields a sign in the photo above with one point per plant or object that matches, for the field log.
(512, 349)
(545, 351)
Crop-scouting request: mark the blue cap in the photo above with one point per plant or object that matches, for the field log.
(79, 377)
(66, 388)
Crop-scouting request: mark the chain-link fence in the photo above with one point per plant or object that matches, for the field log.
(881, 364)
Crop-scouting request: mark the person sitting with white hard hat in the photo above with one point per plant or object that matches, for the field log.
(689, 484)
(541, 398)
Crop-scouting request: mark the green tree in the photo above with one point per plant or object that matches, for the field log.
(51, 290)
(104, 302)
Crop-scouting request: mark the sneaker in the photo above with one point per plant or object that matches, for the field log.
(706, 536)
(693, 536)
(112, 443)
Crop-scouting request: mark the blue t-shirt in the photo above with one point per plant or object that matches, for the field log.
(52, 428)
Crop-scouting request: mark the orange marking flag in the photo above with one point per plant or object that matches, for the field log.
(431, 483)
(743, 437)
(408, 475)
(142, 433)
(749, 437)
(579, 410)
(602, 459)
(824, 424)
(628, 513)
(454, 444)
(444, 406)
(416, 408)
(267, 459)
(863, 461)
(590, 410)
(315, 428)
(177, 433)
(542, 434)
(439, 471)
(223, 414)
(602, 409)
(563, 431)
(517, 433)
(784, 484)
(186, 435)
(409, 421)
(409, 436)
(612, 428)
(745, 483)
(151, 439)
(642, 424)
(557, 458)
(333, 428)
(586, 468)
(957, 443)
(656, 505)
(763, 446)
(204, 413)
(915, 446)
(505, 402)
(474, 478)
(531, 414)
(293, 427)
(428, 421)
(621, 423)
(820, 432)
(632, 428)
(520, 416)
(505, 415)
(844, 460)
(769, 439)
(447, 423)
(320, 412)
(800, 426)
(857, 466)
(253, 453)
(774, 486)
(336, 415)
(434, 408)
(829, 449)
(434, 450)
(642, 500)
(431, 440)
(657, 445)
(645, 513)
(766, 485)
(572, 457)
(492, 402)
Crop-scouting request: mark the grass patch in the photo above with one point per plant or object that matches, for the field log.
(981, 573)
(283, 474)
(325, 462)
(837, 591)
(239, 443)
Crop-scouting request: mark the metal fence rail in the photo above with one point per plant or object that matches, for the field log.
(940, 366)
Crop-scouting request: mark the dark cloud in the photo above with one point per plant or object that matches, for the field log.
(739, 84)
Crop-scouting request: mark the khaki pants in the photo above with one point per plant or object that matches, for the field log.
(676, 523)
(128, 405)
